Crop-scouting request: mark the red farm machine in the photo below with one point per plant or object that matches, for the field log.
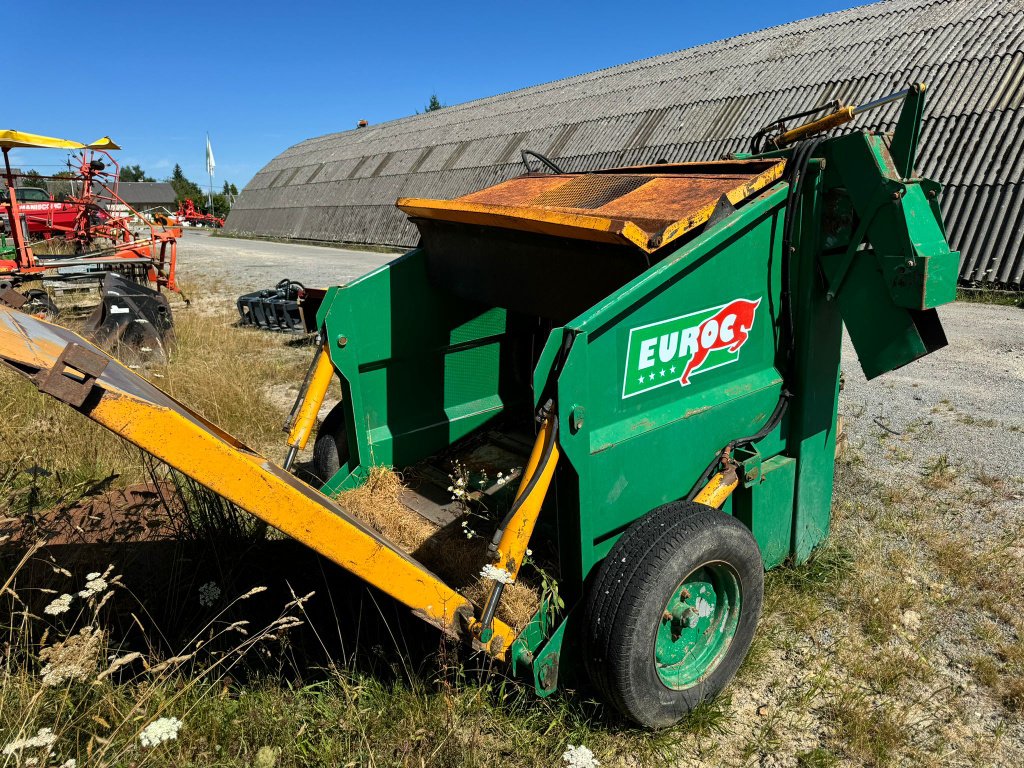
(91, 242)
(189, 214)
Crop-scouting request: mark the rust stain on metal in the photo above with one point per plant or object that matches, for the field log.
(647, 206)
(697, 411)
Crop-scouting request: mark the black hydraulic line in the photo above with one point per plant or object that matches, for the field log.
(547, 412)
(796, 167)
(494, 597)
(305, 382)
(544, 160)
(755, 141)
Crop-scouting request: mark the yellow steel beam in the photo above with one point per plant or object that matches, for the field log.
(516, 537)
(10, 139)
(133, 408)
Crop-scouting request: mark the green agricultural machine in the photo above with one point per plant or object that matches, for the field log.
(650, 353)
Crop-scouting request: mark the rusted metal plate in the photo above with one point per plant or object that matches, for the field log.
(648, 206)
(73, 375)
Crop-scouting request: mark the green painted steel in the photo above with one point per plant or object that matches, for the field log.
(770, 487)
(419, 369)
(640, 449)
(653, 380)
(698, 626)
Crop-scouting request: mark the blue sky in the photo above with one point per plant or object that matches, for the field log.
(261, 76)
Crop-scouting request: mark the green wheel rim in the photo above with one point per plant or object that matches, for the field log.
(697, 625)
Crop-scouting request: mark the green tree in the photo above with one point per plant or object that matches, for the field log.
(433, 104)
(234, 190)
(33, 179)
(134, 173)
(221, 205)
(184, 188)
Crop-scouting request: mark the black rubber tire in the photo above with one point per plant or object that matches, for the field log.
(330, 448)
(625, 603)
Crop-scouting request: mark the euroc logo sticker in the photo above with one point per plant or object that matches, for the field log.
(672, 351)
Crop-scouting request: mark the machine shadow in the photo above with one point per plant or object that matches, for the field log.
(161, 609)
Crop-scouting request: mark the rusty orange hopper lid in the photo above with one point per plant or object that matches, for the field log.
(644, 206)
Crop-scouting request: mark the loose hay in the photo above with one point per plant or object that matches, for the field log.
(445, 550)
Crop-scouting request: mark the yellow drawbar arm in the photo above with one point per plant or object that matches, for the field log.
(513, 537)
(77, 373)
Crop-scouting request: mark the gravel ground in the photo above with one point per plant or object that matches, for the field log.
(967, 399)
(248, 265)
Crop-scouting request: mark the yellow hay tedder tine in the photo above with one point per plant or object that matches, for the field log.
(70, 369)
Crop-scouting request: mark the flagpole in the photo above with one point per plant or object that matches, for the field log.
(209, 170)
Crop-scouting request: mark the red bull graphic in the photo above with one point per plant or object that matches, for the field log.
(679, 348)
(728, 329)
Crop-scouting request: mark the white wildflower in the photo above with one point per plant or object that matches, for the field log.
(579, 757)
(31, 762)
(159, 731)
(44, 738)
(69, 763)
(73, 659)
(59, 606)
(94, 584)
(493, 573)
(209, 594)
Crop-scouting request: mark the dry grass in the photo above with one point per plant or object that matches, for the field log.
(446, 551)
(218, 370)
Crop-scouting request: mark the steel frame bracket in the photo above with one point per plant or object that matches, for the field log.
(749, 460)
(73, 375)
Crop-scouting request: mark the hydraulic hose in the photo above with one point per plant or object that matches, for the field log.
(795, 172)
(531, 483)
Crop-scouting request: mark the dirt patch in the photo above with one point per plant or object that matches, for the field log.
(132, 514)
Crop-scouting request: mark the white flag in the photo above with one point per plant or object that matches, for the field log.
(210, 164)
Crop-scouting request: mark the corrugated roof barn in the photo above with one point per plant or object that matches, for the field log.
(695, 104)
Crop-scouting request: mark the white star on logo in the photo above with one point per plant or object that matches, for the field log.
(641, 380)
(672, 369)
(662, 373)
(651, 377)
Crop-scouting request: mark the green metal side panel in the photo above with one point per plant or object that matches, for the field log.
(420, 368)
(644, 443)
(819, 332)
(765, 506)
